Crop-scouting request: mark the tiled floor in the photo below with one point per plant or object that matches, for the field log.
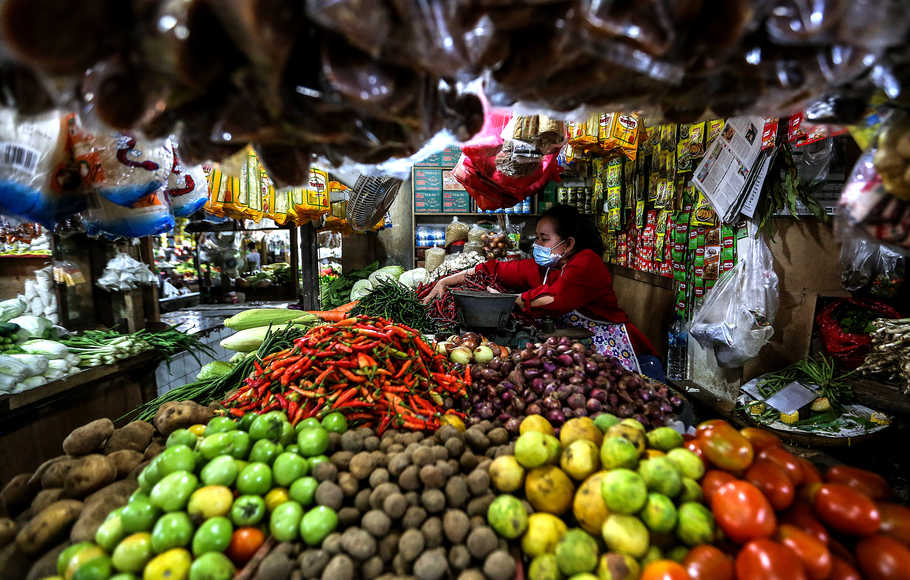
(183, 368)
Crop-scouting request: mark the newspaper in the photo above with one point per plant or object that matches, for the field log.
(725, 174)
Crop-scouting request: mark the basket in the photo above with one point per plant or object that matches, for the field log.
(483, 309)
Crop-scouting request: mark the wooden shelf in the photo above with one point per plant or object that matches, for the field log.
(26, 256)
(478, 214)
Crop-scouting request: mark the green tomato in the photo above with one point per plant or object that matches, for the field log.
(264, 451)
(212, 566)
(176, 458)
(314, 461)
(182, 437)
(214, 535)
(111, 531)
(289, 467)
(171, 493)
(284, 521)
(255, 479)
(63, 560)
(98, 567)
(173, 530)
(303, 491)
(222, 470)
(240, 444)
(219, 425)
(139, 515)
(310, 423)
(133, 553)
(288, 435)
(292, 448)
(313, 441)
(123, 576)
(215, 445)
(150, 475)
(246, 421)
(335, 423)
(268, 426)
(248, 510)
(317, 523)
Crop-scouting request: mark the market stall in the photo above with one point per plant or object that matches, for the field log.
(542, 290)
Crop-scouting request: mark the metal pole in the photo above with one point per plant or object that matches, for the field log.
(295, 263)
(309, 289)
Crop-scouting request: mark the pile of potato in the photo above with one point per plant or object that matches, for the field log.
(66, 498)
(408, 504)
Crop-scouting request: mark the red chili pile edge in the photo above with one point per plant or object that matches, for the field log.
(378, 373)
(442, 309)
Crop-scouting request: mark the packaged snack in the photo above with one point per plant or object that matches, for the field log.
(619, 131)
(148, 216)
(186, 188)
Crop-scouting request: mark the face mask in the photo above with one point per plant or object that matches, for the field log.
(544, 256)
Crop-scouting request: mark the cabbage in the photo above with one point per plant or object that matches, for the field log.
(48, 348)
(60, 365)
(360, 289)
(213, 370)
(10, 309)
(36, 363)
(33, 326)
(389, 272)
(13, 368)
(413, 278)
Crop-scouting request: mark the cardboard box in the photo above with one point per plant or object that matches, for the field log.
(446, 158)
(455, 199)
(427, 190)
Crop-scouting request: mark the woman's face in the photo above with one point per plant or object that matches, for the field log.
(548, 238)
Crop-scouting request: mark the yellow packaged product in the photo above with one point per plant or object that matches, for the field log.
(586, 133)
(312, 201)
(252, 187)
(619, 131)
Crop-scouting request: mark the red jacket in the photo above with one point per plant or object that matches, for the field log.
(583, 284)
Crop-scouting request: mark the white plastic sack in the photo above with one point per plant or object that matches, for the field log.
(737, 315)
(125, 273)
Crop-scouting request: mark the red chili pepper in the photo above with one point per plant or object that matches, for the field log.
(352, 377)
(403, 369)
(293, 407)
(344, 397)
(282, 401)
(323, 376)
(365, 361)
(237, 412)
(384, 424)
(365, 346)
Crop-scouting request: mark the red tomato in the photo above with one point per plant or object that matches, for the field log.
(664, 570)
(846, 510)
(883, 558)
(865, 482)
(895, 521)
(697, 447)
(713, 480)
(813, 554)
(727, 449)
(772, 480)
(802, 516)
(705, 427)
(842, 570)
(767, 560)
(742, 512)
(759, 438)
(244, 543)
(706, 562)
(786, 460)
(810, 472)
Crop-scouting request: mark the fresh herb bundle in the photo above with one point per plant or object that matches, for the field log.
(394, 301)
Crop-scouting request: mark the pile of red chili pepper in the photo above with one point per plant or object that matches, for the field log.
(378, 373)
(442, 310)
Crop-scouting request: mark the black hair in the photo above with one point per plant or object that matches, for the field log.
(571, 224)
(250, 246)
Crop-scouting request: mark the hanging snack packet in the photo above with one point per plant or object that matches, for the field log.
(619, 131)
(148, 216)
(36, 183)
(187, 188)
(119, 167)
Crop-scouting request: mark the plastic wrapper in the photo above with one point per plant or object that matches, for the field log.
(434, 258)
(738, 313)
(187, 188)
(125, 273)
(456, 231)
(857, 263)
(148, 216)
(867, 209)
(36, 183)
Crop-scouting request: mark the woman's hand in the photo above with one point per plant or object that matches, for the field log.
(520, 303)
(438, 290)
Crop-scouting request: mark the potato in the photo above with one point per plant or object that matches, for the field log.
(90, 473)
(8, 529)
(45, 498)
(55, 474)
(89, 437)
(47, 526)
(135, 436)
(17, 494)
(13, 563)
(91, 518)
(42, 469)
(125, 461)
(173, 415)
(154, 448)
(46, 566)
(117, 492)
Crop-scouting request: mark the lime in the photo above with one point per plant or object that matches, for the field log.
(310, 423)
(313, 441)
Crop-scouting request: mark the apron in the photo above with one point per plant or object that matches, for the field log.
(609, 339)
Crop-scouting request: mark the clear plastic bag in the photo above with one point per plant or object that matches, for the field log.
(456, 231)
(737, 315)
(888, 274)
(857, 261)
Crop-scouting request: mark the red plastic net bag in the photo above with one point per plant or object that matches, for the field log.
(848, 348)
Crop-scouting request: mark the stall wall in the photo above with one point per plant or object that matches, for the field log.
(396, 244)
(648, 306)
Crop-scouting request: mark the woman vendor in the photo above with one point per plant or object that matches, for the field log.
(568, 280)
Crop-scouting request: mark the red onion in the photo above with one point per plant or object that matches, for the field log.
(531, 362)
(563, 392)
(512, 425)
(594, 406)
(556, 417)
(550, 403)
(576, 401)
(531, 373)
(537, 385)
(534, 409)
(599, 394)
(549, 366)
(565, 360)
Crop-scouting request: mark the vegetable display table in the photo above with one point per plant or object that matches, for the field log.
(33, 424)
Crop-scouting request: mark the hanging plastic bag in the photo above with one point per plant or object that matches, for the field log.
(857, 261)
(125, 273)
(121, 168)
(888, 274)
(148, 216)
(35, 181)
(456, 231)
(187, 188)
(737, 315)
